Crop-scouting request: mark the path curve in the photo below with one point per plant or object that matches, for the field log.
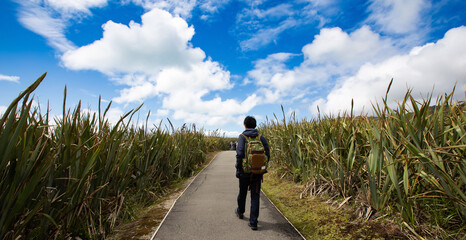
(206, 209)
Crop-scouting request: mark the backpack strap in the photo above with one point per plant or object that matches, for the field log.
(246, 141)
(246, 138)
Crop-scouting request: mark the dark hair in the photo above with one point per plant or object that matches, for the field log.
(250, 122)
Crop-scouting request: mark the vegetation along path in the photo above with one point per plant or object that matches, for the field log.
(206, 209)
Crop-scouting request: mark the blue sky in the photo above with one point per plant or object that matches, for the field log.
(212, 62)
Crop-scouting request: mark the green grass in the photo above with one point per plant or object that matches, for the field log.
(315, 218)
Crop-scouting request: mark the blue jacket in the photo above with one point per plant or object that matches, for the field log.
(250, 132)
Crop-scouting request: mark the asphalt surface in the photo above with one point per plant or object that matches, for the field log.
(206, 209)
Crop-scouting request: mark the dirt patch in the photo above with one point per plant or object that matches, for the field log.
(149, 219)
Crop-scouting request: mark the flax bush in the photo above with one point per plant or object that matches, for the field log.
(72, 179)
(410, 160)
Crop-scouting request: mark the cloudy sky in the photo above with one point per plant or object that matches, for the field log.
(212, 62)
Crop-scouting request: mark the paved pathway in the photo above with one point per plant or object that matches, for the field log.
(206, 209)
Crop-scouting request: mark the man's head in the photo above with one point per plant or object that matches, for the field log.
(250, 122)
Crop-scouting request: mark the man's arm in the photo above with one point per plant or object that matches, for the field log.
(240, 154)
(266, 146)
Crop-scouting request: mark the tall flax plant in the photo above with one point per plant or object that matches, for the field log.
(73, 179)
(325, 150)
(22, 140)
(409, 160)
(426, 160)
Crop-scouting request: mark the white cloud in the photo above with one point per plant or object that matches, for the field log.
(202, 76)
(114, 115)
(359, 66)
(398, 16)
(50, 18)
(222, 133)
(322, 3)
(261, 24)
(333, 46)
(14, 79)
(273, 77)
(332, 54)
(434, 66)
(265, 69)
(160, 41)
(136, 93)
(182, 8)
(2, 110)
(264, 36)
(212, 6)
(156, 58)
(162, 112)
(75, 5)
(192, 108)
(38, 19)
(89, 112)
(257, 27)
(273, 13)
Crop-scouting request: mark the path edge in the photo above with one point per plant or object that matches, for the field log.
(163, 220)
(283, 215)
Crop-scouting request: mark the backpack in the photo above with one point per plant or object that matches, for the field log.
(255, 161)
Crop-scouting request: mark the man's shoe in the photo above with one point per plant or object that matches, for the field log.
(239, 215)
(253, 226)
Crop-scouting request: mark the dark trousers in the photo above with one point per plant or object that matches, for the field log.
(254, 184)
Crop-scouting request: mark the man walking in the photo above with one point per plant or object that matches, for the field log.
(249, 180)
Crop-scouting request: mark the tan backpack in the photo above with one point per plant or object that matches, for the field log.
(255, 161)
